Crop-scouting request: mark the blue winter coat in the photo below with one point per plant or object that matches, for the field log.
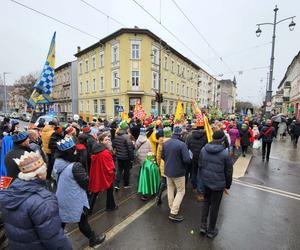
(215, 166)
(31, 217)
(176, 157)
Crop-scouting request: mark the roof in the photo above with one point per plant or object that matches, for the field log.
(67, 64)
(229, 81)
(288, 69)
(136, 31)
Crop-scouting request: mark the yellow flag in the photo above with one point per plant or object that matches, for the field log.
(179, 111)
(208, 129)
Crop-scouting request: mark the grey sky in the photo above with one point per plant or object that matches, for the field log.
(228, 25)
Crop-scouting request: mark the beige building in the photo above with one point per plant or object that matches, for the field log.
(227, 95)
(64, 93)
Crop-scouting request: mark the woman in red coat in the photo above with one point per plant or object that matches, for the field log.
(102, 175)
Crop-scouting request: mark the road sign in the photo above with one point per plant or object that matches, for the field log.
(120, 109)
(269, 104)
(268, 109)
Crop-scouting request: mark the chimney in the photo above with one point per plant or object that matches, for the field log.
(78, 49)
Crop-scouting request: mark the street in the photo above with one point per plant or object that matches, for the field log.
(260, 212)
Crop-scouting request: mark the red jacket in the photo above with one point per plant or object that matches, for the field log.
(102, 172)
(251, 139)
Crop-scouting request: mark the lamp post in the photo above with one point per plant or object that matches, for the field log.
(258, 33)
(5, 92)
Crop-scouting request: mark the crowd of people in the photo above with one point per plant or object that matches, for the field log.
(57, 172)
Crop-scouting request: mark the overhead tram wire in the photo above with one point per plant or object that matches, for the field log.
(56, 20)
(202, 36)
(102, 12)
(176, 37)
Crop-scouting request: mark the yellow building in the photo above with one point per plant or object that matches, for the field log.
(129, 65)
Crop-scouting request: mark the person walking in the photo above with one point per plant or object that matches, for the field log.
(216, 169)
(245, 138)
(30, 211)
(195, 141)
(267, 134)
(124, 152)
(234, 135)
(295, 132)
(72, 186)
(176, 156)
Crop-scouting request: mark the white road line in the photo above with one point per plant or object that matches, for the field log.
(267, 190)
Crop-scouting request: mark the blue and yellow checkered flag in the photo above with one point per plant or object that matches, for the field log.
(43, 86)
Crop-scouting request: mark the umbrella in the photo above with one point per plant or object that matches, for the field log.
(278, 118)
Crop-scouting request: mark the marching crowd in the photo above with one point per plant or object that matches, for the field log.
(55, 173)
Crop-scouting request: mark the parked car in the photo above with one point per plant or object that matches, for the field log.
(47, 119)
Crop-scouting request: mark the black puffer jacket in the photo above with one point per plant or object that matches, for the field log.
(195, 141)
(123, 146)
(295, 129)
(215, 166)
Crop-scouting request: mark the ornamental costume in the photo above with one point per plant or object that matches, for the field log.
(7, 144)
(149, 178)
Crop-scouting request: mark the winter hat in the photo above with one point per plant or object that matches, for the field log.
(30, 165)
(157, 122)
(76, 117)
(20, 137)
(218, 135)
(123, 125)
(142, 131)
(86, 129)
(177, 129)
(58, 129)
(166, 123)
(167, 132)
(151, 125)
(14, 122)
(65, 143)
(146, 123)
(70, 130)
(244, 126)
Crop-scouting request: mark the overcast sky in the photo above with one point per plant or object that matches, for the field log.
(227, 25)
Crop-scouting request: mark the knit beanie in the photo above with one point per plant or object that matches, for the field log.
(218, 135)
(177, 129)
(123, 125)
(167, 132)
(244, 126)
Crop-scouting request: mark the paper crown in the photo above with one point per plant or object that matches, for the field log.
(65, 144)
(29, 162)
(21, 136)
(167, 132)
(177, 129)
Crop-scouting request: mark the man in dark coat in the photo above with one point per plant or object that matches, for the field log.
(216, 172)
(267, 133)
(30, 211)
(176, 157)
(21, 144)
(195, 141)
(295, 132)
(124, 153)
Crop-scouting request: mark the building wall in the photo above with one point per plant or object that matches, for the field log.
(294, 78)
(185, 82)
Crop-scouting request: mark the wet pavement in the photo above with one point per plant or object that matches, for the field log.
(260, 212)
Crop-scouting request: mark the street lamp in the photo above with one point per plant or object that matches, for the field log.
(258, 33)
(5, 91)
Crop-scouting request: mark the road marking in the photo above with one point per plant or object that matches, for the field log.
(128, 220)
(241, 165)
(269, 188)
(278, 192)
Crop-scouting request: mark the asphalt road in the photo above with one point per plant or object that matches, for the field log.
(260, 212)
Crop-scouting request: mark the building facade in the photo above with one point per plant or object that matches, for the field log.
(290, 88)
(64, 93)
(135, 64)
(227, 95)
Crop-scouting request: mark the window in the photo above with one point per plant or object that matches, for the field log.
(135, 75)
(164, 107)
(81, 106)
(116, 105)
(135, 51)
(177, 89)
(187, 91)
(192, 75)
(87, 106)
(166, 63)
(94, 62)
(172, 87)
(80, 88)
(155, 55)
(80, 68)
(101, 83)
(86, 86)
(115, 55)
(95, 106)
(182, 90)
(188, 74)
(101, 59)
(172, 66)
(183, 72)
(154, 80)
(171, 107)
(102, 106)
(94, 85)
(115, 79)
(86, 66)
(178, 69)
(153, 106)
(165, 85)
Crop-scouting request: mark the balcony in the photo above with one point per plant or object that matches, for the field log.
(286, 99)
